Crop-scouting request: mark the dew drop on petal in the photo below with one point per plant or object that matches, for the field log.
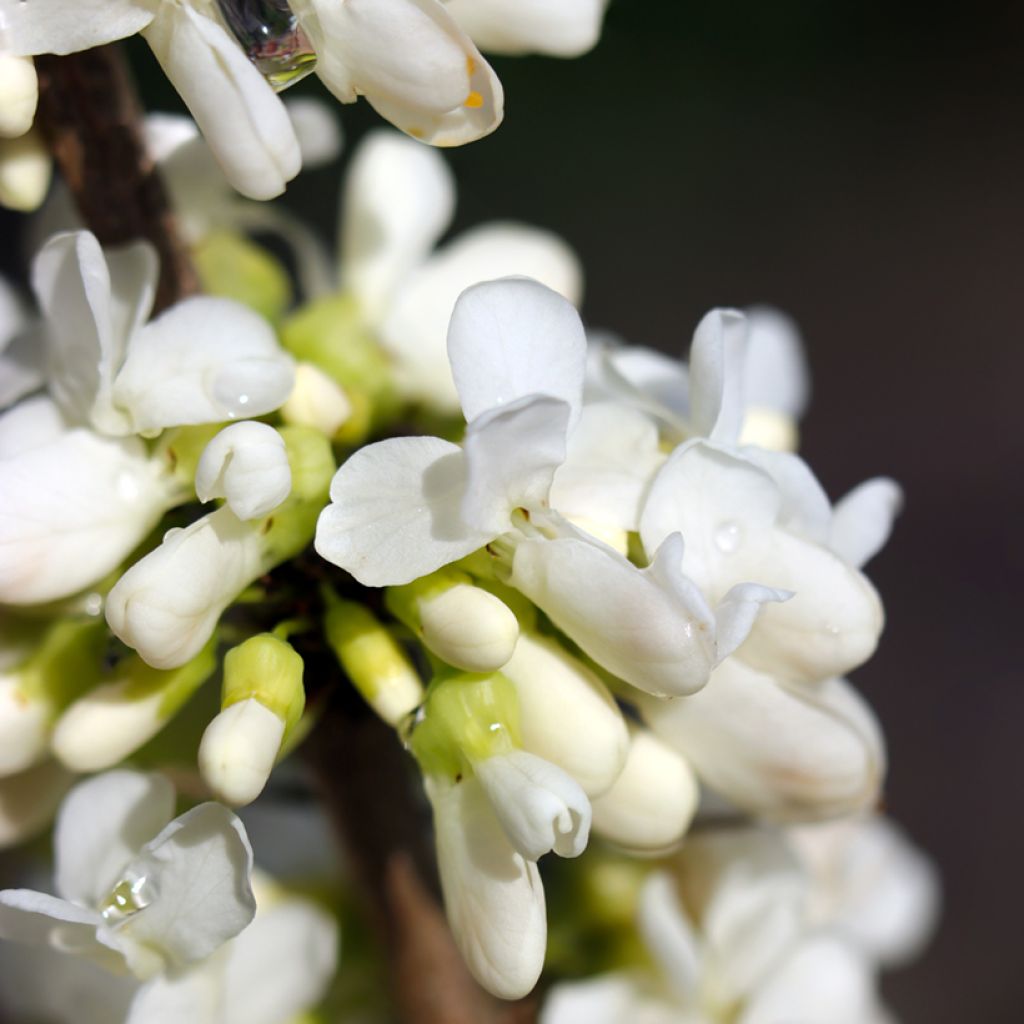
(272, 38)
(128, 897)
(728, 537)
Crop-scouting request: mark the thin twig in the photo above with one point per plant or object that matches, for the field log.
(90, 114)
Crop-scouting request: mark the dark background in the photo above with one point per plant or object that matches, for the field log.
(862, 167)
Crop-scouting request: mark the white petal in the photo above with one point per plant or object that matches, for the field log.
(93, 303)
(493, 895)
(412, 62)
(609, 999)
(824, 981)
(669, 935)
(167, 604)
(862, 521)
(399, 198)
(808, 752)
(202, 361)
(316, 401)
(775, 372)
(55, 26)
(651, 804)
(29, 800)
(468, 627)
(247, 464)
(511, 456)
(611, 459)
(19, 93)
(512, 338)
(199, 868)
(317, 130)
(805, 509)
(565, 29)
(26, 169)
(33, 917)
(25, 724)
(30, 424)
(71, 511)
(194, 995)
(394, 513)
(641, 378)
(22, 365)
(280, 965)
(716, 375)
(242, 119)
(737, 612)
(416, 326)
(649, 627)
(102, 825)
(540, 807)
(566, 714)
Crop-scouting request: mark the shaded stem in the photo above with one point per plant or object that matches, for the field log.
(90, 114)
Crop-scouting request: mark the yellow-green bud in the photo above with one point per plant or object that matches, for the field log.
(116, 718)
(373, 660)
(317, 401)
(464, 625)
(466, 719)
(331, 334)
(231, 265)
(181, 450)
(268, 670)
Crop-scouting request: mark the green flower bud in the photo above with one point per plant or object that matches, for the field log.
(231, 265)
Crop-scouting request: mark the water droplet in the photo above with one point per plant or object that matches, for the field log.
(93, 605)
(128, 897)
(728, 537)
(272, 38)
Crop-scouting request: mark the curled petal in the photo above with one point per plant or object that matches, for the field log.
(862, 521)
(247, 464)
(716, 375)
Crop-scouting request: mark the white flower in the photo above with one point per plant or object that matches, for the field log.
(138, 890)
(247, 464)
(493, 895)
(408, 57)
(783, 752)
(406, 506)
(561, 28)
(202, 361)
(398, 200)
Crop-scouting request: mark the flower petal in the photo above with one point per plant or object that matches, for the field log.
(30, 424)
(33, 917)
(199, 868)
(862, 521)
(399, 198)
(566, 29)
(102, 825)
(512, 338)
(511, 455)
(247, 464)
(243, 121)
(416, 326)
(71, 511)
(791, 754)
(611, 459)
(716, 375)
(540, 807)
(55, 26)
(395, 511)
(203, 361)
(669, 935)
(493, 896)
(775, 368)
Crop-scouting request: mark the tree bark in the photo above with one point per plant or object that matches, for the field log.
(90, 115)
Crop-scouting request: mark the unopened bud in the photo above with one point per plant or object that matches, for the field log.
(262, 701)
(25, 171)
(19, 93)
(316, 401)
(462, 624)
(112, 721)
(653, 801)
(373, 660)
(769, 428)
(247, 464)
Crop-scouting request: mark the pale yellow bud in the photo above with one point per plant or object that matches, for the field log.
(25, 170)
(316, 401)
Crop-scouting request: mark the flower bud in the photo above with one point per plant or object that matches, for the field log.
(262, 702)
(25, 170)
(566, 714)
(372, 660)
(652, 802)
(19, 93)
(68, 660)
(464, 625)
(112, 721)
(247, 464)
(316, 401)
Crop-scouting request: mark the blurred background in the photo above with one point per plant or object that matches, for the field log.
(861, 167)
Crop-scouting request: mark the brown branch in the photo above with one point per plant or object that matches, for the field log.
(374, 792)
(90, 114)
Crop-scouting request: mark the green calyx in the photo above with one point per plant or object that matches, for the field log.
(232, 266)
(331, 334)
(140, 681)
(466, 718)
(67, 663)
(269, 670)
